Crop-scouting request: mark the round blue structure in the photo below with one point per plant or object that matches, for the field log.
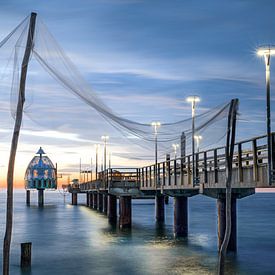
(41, 173)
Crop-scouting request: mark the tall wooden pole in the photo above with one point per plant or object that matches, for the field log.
(229, 151)
(15, 137)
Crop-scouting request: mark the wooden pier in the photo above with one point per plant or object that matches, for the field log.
(174, 178)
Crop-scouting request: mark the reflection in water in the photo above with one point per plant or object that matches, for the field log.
(79, 240)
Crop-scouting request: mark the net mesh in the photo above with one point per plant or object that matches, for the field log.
(54, 108)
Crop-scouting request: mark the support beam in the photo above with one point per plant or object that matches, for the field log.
(95, 200)
(125, 212)
(112, 208)
(100, 202)
(40, 197)
(74, 198)
(221, 207)
(166, 199)
(105, 203)
(159, 208)
(28, 197)
(180, 216)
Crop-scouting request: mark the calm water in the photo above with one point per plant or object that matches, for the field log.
(77, 240)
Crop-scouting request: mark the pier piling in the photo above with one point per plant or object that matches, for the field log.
(28, 197)
(105, 203)
(95, 200)
(180, 216)
(74, 198)
(125, 212)
(88, 199)
(40, 197)
(159, 208)
(100, 202)
(91, 200)
(26, 255)
(112, 208)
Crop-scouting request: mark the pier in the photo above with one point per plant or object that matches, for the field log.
(174, 178)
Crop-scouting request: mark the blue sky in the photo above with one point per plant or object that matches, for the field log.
(143, 58)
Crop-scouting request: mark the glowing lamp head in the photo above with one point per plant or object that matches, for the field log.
(193, 98)
(266, 50)
(104, 137)
(156, 124)
(197, 138)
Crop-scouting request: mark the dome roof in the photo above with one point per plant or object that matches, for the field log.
(39, 171)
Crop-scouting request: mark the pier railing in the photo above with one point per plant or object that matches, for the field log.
(249, 170)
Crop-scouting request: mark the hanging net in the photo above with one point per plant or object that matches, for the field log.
(58, 97)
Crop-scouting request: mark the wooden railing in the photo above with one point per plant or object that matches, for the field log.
(249, 168)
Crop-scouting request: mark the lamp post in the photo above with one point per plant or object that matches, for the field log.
(175, 146)
(156, 125)
(96, 160)
(267, 52)
(198, 139)
(193, 100)
(105, 138)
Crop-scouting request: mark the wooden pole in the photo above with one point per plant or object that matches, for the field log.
(230, 142)
(15, 137)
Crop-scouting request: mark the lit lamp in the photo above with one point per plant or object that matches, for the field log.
(267, 52)
(193, 100)
(156, 125)
(175, 146)
(105, 138)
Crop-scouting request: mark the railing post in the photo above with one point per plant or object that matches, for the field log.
(181, 170)
(216, 165)
(197, 168)
(158, 175)
(175, 172)
(142, 175)
(146, 176)
(240, 163)
(169, 175)
(255, 160)
(205, 167)
(163, 174)
(188, 170)
(150, 175)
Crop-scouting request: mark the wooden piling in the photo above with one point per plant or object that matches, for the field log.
(95, 200)
(28, 197)
(166, 199)
(40, 197)
(88, 199)
(26, 255)
(74, 198)
(91, 197)
(125, 212)
(180, 216)
(221, 207)
(100, 202)
(159, 208)
(112, 208)
(105, 203)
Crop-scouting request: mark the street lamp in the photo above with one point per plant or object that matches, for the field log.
(105, 138)
(267, 52)
(193, 100)
(175, 146)
(156, 125)
(198, 139)
(96, 159)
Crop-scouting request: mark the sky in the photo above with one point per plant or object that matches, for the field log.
(142, 58)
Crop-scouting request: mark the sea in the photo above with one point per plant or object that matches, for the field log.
(76, 240)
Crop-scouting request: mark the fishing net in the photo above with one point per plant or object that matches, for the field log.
(59, 98)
